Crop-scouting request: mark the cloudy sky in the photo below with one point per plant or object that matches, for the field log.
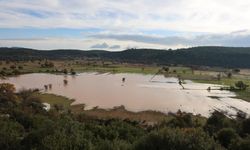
(121, 24)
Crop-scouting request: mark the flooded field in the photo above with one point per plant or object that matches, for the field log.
(137, 92)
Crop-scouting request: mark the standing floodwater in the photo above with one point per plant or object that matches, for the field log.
(137, 94)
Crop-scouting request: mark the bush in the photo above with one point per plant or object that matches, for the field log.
(181, 121)
(225, 136)
(65, 71)
(41, 127)
(13, 67)
(72, 72)
(240, 144)
(216, 122)
(11, 134)
(68, 134)
(7, 95)
(241, 85)
(112, 145)
(47, 64)
(236, 70)
(176, 139)
(16, 72)
(245, 126)
(3, 73)
(20, 67)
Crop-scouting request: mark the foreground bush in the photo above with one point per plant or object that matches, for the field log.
(226, 135)
(177, 139)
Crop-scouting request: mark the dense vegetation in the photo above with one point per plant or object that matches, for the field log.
(25, 124)
(200, 56)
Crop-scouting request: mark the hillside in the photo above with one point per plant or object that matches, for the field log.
(203, 56)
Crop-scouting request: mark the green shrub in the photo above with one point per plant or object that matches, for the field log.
(11, 134)
(216, 122)
(225, 136)
(240, 144)
(176, 139)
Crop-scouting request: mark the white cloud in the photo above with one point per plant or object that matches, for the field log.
(61, 43)
(238, 38)
(106, 46)
(215, 16)
(115, 47)
(126, 23)
(100, 46)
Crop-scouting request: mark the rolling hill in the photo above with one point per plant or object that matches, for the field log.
(229, 57)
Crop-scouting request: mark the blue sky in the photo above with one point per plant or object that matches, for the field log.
(121, 24)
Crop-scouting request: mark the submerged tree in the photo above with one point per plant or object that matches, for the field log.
(219, 77)
(72, 72)
(65, 82)
(229, 75)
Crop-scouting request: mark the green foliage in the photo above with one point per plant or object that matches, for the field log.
(226, 135)
(20, 67)
(42, 126)
(245, 126)
(181, 121)
(11, 134)
(13, 67)
(216, 122)
(16, 72)
(72, 72)
(65, 71)
(68, 134)
(7, 96)
(241, 85)
(236, 70)
(176, 139)
(240, 144)
(47, 64)
(113, 145)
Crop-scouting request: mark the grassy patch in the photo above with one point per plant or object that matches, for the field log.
(53, 99)
(244, 95)
(144, 117)
(117, 69)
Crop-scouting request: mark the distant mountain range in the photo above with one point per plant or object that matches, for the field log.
(229, 57)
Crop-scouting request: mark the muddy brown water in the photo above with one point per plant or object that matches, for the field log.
(137, 93)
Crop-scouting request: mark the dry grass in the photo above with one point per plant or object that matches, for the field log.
(144, 117)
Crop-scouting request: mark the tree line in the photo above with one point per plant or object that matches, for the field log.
(230, 57)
